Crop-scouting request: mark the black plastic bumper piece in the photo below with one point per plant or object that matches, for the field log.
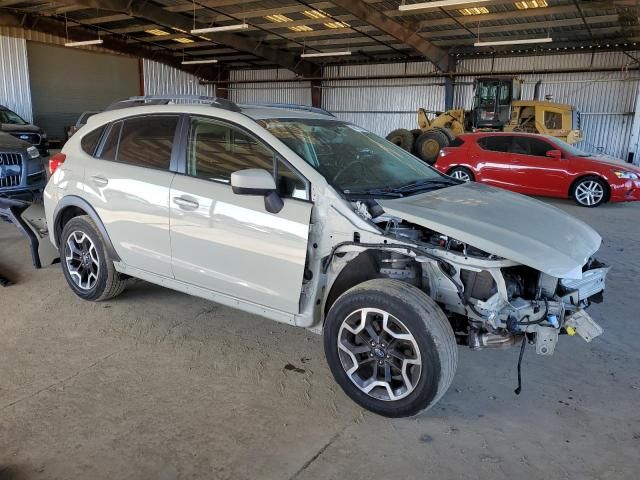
(11, 209)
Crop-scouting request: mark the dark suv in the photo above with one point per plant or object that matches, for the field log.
(22, 173)
(14, 124)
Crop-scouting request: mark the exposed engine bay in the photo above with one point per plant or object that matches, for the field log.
(490, 301)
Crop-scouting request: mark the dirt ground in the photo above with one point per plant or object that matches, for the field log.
(159, 385)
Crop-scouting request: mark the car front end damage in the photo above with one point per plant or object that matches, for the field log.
(525, 272)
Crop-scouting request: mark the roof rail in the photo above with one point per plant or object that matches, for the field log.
(295, 106)
(174, 99)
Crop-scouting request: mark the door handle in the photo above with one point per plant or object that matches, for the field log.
(99, 180)
(185, 203)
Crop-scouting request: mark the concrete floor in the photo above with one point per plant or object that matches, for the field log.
(159, 385)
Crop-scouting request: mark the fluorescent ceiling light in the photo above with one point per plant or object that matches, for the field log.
(183, 40)
(438, 4)
(314, 14)
(526, 4)
(513, 42)
(474, 11)
(278, 18)
(337, 25)
(81, 44)
(157, 32)
(301, 28)
(325, 54)
(224, 28)
(193, 62)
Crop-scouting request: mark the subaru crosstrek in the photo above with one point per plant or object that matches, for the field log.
(315, 222)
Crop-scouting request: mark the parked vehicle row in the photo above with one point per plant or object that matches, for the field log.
(308, 220)
(14, 124)
(539, 165)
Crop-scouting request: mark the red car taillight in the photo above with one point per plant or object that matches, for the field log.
(55, 161)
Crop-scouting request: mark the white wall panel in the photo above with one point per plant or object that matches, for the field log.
(15, 91)
(161, 79)
(269, 92)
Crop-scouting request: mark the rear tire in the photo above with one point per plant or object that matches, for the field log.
(462, 173)
(400, 370)
(86, 265)
(403, 138)
(428, 145)
(590, 192)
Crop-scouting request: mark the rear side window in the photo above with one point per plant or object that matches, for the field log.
(456, 142)
(498, 143)
(147, 141)
(90, 141)
(110, 145)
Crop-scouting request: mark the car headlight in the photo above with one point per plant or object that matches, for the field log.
(626, 175)
(33, 152)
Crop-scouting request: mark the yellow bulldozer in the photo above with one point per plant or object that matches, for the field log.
(496, 107)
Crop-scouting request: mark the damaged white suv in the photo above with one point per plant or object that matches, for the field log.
(299, 217)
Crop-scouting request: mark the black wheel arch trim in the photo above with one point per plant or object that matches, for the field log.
(75, 201)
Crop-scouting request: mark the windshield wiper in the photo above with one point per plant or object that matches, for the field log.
(375, 192)
(412, 187)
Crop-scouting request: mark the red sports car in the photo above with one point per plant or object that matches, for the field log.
(539, 165)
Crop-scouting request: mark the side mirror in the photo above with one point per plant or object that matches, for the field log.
(557, 154)
(256, 181)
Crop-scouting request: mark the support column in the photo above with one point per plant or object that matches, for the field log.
(316, 93)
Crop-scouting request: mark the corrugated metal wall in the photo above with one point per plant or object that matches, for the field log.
(15, 91)
(277, 92)
(161, 79)
(381, 105)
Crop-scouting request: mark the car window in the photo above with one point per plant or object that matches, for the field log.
(289, 183)
(110, 145)
(147, 141)
(216, 150)
(89, 142)
(7, 116)
(531, 146)
(496, 143)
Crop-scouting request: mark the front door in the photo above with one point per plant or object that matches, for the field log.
(534, 171)
(229, 243)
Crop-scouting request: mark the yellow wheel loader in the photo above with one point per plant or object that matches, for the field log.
(496, 107)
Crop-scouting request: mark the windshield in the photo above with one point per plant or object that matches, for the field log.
(351, 159)
(570, 149)
(7, 116)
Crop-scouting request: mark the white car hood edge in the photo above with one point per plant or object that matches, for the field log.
(506, 224)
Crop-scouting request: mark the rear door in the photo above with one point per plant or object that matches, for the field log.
(493, 159)
(127, 183)
(228, 243)
(534, 171)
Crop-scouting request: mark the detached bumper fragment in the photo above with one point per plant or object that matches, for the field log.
(29, 219)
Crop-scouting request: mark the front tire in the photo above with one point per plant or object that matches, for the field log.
(86, 265)
(390, 347)
(589, 192)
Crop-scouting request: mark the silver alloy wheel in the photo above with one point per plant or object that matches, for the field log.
(461, 175)
(82, 260)
(589, 192)
(379, 354)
